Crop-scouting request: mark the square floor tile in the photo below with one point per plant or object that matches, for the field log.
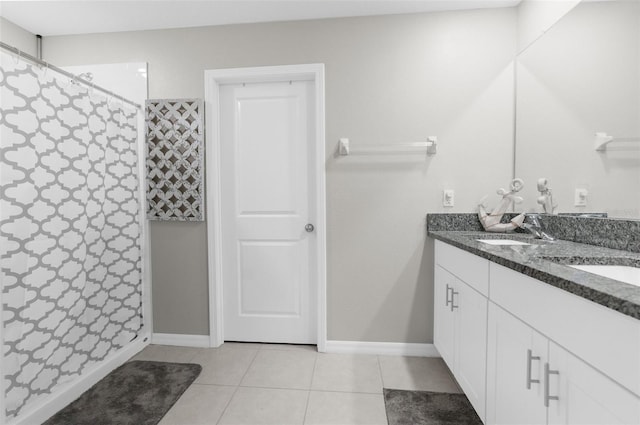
(337, 408)
(265, 406)
(345, 372)
(166, 353)
(417, 373)
(223, 366)
(281, 369)
(199, 405)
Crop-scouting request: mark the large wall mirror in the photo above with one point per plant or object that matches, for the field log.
(582, 77)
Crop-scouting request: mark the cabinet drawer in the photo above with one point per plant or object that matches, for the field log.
(605, 339)
(471, 269)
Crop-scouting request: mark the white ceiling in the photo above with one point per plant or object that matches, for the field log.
(49, 18)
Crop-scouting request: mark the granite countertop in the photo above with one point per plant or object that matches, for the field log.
(548, 262)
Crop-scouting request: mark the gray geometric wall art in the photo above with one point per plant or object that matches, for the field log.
(175, 159)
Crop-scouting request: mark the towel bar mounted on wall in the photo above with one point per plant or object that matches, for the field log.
(603, 139)
(429, 147)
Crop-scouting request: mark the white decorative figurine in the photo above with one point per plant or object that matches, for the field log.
(491, 221)
(545, 199)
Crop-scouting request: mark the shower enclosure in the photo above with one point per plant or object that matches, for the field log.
(71, 236)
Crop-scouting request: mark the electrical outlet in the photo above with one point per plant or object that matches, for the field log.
(448, 198)
(580, 199)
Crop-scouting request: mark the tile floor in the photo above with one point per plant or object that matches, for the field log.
(276, 384)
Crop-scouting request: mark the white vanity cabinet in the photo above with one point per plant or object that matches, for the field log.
(525, 352)
(460, 314)
(532, 380)
(558, 356)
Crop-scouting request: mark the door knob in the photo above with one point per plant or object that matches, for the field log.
(309, 228)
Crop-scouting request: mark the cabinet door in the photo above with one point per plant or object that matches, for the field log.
(471, 345)
(443, 320)
(510, 399)
(586, 396)
(604, 338)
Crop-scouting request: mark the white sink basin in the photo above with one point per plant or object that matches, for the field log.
(501, 242)
(625, 274)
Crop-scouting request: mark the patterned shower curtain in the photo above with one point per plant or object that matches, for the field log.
(70, 270)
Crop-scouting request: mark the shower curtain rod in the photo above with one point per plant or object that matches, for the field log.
(74, 77)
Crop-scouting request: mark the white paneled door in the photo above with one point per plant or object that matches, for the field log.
(267, 195)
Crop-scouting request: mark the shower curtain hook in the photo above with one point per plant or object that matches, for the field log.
(44, 67)
(18, 57)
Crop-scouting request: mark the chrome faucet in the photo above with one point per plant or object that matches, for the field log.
(533, 226)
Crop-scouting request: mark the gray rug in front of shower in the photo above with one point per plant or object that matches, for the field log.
(136, 393)
(428, 408)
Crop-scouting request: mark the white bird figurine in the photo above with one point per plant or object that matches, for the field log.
(546, 198)
(491, 221)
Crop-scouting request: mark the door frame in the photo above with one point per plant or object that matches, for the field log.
(213, 79)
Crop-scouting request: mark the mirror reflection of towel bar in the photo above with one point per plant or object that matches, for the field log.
(429, 147)
(603, 139)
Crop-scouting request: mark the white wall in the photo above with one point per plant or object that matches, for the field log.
(17, 36)
(535, 17)
(582, 77)
(388, 80)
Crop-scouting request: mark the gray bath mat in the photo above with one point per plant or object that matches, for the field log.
(428, 408)
(136, 393)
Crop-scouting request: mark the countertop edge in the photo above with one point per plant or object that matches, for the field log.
(613, 302)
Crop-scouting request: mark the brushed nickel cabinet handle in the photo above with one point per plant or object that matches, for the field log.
(547, 373)
(530, 358)
(453, 304)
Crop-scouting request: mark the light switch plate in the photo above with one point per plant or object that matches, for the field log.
(448, 198)
(581, 197)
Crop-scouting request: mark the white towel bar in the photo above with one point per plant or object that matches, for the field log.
(603, 139)
(429, 147)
